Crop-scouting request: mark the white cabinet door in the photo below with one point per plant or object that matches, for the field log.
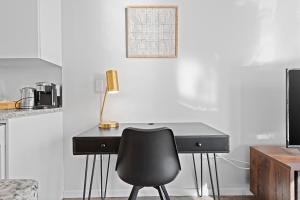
(31, 29)
(19, 29)
(50, 30)
(2, 151)
(35, 151)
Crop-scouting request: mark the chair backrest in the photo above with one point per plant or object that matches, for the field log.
(147, 157)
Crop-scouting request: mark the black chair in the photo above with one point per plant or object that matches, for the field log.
(148, 158)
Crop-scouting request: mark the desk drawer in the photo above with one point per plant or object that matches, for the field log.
(185, 144)
(196, 144)
(90, 145)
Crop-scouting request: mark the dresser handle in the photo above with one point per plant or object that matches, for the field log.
(198, 144)
(103, 145)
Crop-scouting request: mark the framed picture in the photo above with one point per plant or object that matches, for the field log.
(152, 31)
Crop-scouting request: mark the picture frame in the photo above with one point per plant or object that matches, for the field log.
(152, 31)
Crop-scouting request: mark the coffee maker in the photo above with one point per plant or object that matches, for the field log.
(48, 95)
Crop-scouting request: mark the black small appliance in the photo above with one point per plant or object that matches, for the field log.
(46, 95)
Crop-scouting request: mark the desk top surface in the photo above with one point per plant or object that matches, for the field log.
(179, 129)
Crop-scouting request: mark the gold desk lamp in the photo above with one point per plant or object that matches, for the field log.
(112, 86)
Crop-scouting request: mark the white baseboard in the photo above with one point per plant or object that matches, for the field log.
(149, 192)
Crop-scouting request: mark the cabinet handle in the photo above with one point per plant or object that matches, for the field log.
(198, 144)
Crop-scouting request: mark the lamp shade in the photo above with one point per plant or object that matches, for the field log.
(112, 81)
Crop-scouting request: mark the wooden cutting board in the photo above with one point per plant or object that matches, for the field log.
(5, 105)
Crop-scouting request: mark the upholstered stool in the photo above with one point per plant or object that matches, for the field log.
(18, 189)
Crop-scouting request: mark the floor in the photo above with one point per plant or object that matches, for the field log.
(179, 198)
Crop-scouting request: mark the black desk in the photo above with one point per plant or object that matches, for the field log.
(190, 138)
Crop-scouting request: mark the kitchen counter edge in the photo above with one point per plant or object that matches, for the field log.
(15, 113)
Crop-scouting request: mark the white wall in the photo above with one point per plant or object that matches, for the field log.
(16, 73)
(229, 73)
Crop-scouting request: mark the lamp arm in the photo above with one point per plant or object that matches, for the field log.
(102, 107)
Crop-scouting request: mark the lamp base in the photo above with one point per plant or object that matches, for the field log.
(109, 124)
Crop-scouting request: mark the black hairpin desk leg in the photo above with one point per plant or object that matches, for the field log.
(210, 175)
(196, 176)
(201, 173)
(217, 177)
(103, 192)
(92, 177)
(85, 175)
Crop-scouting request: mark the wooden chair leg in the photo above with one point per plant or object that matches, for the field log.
(165, 192)
(134, 192)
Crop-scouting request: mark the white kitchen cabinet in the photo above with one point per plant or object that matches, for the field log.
(19, 29)
(35, 151)
(31, 29)
(2, 152)
(50, 31)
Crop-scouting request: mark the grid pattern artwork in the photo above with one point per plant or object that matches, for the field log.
(152, 32)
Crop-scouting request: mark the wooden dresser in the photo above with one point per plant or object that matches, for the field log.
(274, 172)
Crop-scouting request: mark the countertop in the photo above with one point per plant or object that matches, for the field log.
(14, 113)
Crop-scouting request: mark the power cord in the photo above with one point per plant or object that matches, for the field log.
(232, 162)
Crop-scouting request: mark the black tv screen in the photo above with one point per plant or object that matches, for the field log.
(293, 107)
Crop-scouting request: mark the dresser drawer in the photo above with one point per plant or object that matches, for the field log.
(90, 145)
(198, 144)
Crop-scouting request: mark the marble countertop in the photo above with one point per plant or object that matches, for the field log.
(18, 189)
(13, 113)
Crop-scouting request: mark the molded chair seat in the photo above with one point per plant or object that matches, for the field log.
(148, 158)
